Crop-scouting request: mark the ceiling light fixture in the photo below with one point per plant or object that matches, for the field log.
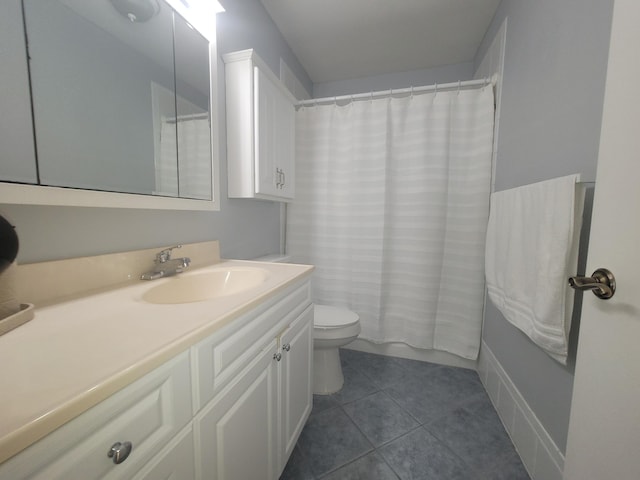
(137, 11)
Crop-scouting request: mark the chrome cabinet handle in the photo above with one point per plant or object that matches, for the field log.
(286, 347)
(602, 283)
(120, 452)
(284, 179)
(277, 356)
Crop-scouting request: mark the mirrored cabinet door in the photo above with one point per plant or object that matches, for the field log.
(119, 98)
(91, 74)
(193, 126)
(17, 153)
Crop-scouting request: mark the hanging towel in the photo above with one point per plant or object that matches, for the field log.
(531, 250)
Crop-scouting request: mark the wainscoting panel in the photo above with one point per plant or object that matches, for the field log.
(540, 455)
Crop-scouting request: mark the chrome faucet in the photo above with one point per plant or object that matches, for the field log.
(165, 266)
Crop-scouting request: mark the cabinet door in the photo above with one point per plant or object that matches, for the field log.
(266, 99)
(275, 135)
(295, 382)
(16, 130)
(285, 148)
(236, 433)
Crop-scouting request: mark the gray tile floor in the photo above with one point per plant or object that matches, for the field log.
(403, 419)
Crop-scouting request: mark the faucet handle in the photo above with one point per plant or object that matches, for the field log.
(165, 255)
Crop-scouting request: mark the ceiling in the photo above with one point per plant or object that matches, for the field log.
(341, 39)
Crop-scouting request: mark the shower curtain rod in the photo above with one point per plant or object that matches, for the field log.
(401, 91)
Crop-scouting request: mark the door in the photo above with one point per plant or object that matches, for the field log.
(604, 428)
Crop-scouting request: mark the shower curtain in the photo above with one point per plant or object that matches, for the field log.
(392, 201)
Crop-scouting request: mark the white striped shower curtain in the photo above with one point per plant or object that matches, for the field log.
(392, 201)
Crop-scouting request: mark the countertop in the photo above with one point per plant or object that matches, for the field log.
(75, 354)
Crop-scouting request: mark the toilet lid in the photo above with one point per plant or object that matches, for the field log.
(325, 316)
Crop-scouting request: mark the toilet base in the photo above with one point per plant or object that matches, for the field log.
(327, 371)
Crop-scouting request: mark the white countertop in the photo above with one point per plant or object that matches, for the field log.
(75, 354)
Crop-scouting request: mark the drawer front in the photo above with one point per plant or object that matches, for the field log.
(219, 359)
(147, 413)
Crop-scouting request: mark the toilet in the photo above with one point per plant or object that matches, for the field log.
(333, 327)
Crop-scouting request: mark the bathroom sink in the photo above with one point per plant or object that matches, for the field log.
(200, 286)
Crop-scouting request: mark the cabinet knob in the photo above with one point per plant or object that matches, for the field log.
(120, 451)
(277, 356)
(286, 347)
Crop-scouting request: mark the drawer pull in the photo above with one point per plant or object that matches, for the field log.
(277, 356)
(286, 347)
(120, 452)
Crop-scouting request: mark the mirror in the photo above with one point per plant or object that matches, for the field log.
(120, 97)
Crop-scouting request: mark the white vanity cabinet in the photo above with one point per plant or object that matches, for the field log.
(148, 414)
(231, 406)
(249, 427)
(260, 130)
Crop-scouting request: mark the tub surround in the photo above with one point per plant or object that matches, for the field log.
(76, 353)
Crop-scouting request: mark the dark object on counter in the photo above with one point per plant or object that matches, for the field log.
(8, 244)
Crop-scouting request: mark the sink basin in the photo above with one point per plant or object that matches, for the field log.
(201, 286)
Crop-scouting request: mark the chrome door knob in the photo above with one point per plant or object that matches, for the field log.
(277, 356)
(602, 283)
(286, 347)
(120, 451)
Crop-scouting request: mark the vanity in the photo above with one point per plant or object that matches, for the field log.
(120, 385)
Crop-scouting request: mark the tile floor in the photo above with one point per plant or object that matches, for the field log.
(404, 419)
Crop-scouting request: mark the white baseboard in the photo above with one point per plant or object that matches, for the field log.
(402, 350)
(539, 453)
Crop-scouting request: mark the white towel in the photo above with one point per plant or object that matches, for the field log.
(531, 250)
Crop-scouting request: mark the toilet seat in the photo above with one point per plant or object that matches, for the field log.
(326, 317)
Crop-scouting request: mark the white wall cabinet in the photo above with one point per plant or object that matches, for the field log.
(230, 408)
(260, 130)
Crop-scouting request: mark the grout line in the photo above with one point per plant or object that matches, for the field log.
(503, 458)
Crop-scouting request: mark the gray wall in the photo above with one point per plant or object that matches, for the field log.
(413, 78)
(245, 228)
(552, 95)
